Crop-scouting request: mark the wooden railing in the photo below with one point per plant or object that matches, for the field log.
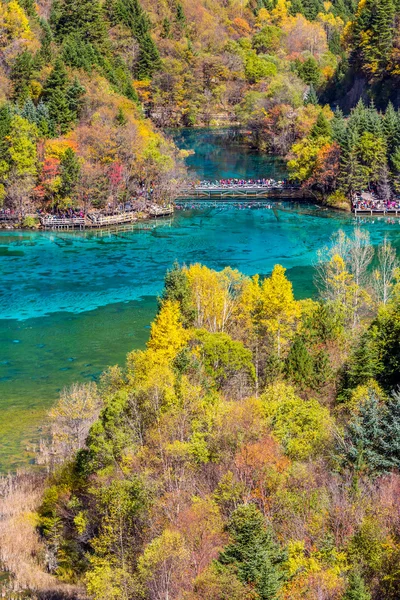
(161, 211)
(242, 190)
(62, 223)
(97, 220)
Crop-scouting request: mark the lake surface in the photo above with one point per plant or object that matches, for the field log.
(71, 304)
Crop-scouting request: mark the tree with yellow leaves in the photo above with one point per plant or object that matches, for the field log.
(168, 335)
(15, 30)
(279, 312)
(339, 288)
(215, 296)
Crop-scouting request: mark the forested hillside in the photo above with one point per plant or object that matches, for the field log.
(250, 452)
(71, 127)
(76, 79)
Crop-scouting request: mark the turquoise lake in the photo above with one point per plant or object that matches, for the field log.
(71, 304)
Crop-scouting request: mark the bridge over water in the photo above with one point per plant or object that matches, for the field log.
(237, 190)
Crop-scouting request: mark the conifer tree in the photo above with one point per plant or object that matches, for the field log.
(321, 128)
(365, 361)
(311, 8)
(311, 97)
(391, 128)
(57, 80)
(390, 441)
(356, 589)
(180, 15)
(299, 365)
(177, 288)
(5, 128)
(373, 121)
(46, 38)
(21, 75)
(74, 94)
(120, 118)
(131, 14)
(28, 6)
(362, 438)
(70, 169)
(253, 552)
(80, 17)
(309, 71)
(372, 437)
(29, 111)
(339, 130)
(353, 176)
(372, 36)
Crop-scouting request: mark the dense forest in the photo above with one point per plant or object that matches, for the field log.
(250, 452)
(78, 79)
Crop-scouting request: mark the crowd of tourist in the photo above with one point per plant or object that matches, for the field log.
(68, 213)
(368, 201)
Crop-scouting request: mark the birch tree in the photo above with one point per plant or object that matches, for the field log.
(383, 276)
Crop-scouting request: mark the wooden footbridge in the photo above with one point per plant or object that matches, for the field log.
(385, 211)
(100, 220)
(211, 191)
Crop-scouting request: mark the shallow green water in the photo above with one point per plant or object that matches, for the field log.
(72, 304)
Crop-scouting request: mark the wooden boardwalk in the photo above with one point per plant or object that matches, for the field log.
(377, 211)
(100, 221)
(62, 223)
(241, 191)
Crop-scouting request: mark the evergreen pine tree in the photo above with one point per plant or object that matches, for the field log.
(253, 552)
(21, 75)
(362, 438)
(299, 365)
(70, 169)
(79, 53)
(358, 120)
(73, 95)
(59, 112)
(5, 127)
(55, 95)
(383, 29)
(311, 8)
(43, 118)
(84, 18)
(373, 121)
(177, 288)
(180, 15)
(372, 36)
(322, 369)
(131, 14)
(391, 128)
(353, 177)
(321, 128)
(356, 589)
(29, 111)
(296, 8)
(365, 361)
(166, 28)
(390, 440)
(309, 71)
(57, 80)
(120, 119)
(311, 96)
(46, 38)
(339, 130)
(130, 92)
(384, 189)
